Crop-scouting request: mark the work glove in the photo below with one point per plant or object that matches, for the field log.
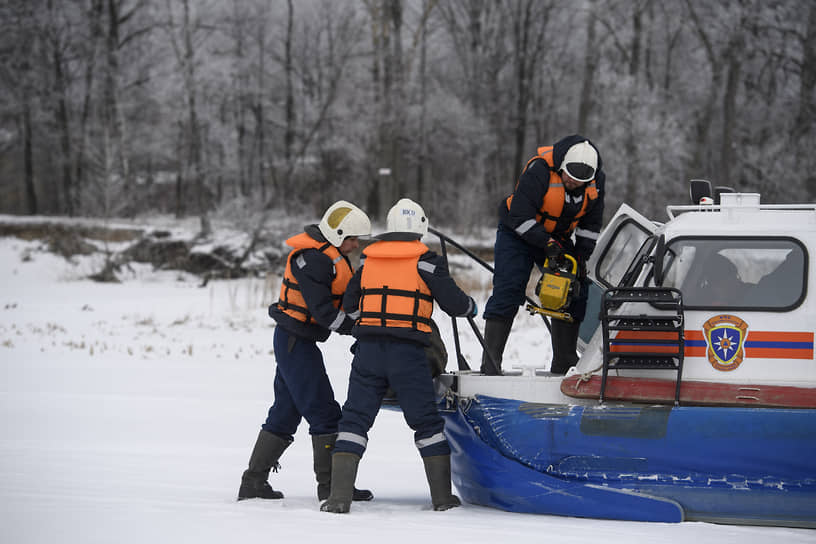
(346, 326)
(555, 251)
(475, 309)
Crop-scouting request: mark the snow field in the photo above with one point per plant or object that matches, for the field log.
(128, 412)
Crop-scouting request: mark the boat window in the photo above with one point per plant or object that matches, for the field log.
(738, 273)
(617, 257)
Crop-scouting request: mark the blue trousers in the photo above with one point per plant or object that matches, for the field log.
(513, 262)
(302, 388)
(403, 366)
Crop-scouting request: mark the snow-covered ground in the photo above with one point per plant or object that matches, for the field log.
(127, 414)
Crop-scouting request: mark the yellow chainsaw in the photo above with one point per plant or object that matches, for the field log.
(557, 287)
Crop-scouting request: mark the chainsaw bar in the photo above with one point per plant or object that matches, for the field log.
(563, 316)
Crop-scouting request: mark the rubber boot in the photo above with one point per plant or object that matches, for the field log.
(344, 472)
(495, 336)
(268, 449)
(438, 472)
(564, 346)
(322, 445)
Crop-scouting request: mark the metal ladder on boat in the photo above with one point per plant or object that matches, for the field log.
(646, 335)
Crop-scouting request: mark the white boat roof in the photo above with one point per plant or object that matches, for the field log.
(741, 214)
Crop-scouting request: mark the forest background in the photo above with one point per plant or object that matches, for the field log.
(114, 108)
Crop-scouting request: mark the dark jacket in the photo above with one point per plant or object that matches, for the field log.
(529, 194)
(433, 270)
(315, 280)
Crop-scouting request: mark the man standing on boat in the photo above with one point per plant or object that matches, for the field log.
(317, 273)
(560, 193)
(394, 292)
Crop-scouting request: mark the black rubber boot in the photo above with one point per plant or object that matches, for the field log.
(268, 449)
(495, 337)
(438, 472)
(344, 472)
(564, 346)
(322, 445)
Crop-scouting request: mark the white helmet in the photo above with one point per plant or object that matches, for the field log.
(580, 162)
(407, 216)
(343, 219)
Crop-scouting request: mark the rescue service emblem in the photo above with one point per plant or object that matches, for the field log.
(725, 336)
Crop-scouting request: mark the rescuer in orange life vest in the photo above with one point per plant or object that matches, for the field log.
(308, 310)
(394, 291)
(560, 193)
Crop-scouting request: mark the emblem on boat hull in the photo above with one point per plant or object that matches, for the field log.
(725, 336)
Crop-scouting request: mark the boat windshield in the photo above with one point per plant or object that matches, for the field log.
(737, 273)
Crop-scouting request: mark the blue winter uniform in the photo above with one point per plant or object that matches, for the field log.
(521, 237)
(391, 341)
(302, 387)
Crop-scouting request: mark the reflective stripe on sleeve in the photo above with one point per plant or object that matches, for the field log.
(341, 316)
(426, 266)
(524, 227)
(586, 234)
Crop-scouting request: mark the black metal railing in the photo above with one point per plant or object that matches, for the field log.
(643, 329)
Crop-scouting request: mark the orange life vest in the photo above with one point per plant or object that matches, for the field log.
(291, 300)
(552, 204)
(393, 293)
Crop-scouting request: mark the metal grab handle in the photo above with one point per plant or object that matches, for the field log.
(444, 238)
(460, 359)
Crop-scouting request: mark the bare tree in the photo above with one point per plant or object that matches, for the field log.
(806, 111)
(181, 38)
(117, 36)
(256, 105)
(386, 17)
(590, 69)
(720, 45)
(238, 29)
(480, 53)
(88, 54)
(529, 33)
(17, 74)
(422, 163)
(57, 33)
(320, 57)
(806, 114)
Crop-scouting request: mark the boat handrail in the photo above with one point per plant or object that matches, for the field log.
(672, 208)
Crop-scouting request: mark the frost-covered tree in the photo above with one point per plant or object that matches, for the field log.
(244, 107)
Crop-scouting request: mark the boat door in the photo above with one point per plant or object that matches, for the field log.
(622, 249)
